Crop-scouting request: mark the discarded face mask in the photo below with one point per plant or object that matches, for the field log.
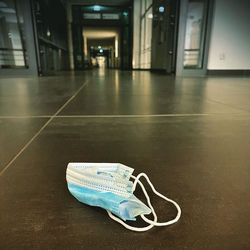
(107, 185)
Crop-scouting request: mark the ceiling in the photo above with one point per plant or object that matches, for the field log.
(99, 33)
(102, 2)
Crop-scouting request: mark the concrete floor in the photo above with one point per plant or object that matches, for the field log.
(190, 135)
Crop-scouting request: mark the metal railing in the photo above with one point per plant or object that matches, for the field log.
(191, 57)
(12, 58)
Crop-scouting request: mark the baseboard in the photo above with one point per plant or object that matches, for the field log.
(142, 69)
(243, 72)
(159, 71)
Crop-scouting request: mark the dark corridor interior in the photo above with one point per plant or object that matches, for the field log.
(51, 40)
(102, 35)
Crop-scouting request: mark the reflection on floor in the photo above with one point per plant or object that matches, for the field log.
(190, 135)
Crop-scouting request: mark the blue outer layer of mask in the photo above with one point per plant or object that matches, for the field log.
(106, 187)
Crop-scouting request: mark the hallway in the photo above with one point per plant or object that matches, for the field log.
(190, 135)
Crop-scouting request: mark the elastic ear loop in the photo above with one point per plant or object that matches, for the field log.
(163, 197)
(137, 229)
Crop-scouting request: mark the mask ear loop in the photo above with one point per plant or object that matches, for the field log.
(137, 229)
(163, 197)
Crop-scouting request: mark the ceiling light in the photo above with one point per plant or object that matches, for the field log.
(97, 8)
(150, 15)
(161, 9)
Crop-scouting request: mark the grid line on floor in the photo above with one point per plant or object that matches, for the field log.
(42, 128)
(119, 116)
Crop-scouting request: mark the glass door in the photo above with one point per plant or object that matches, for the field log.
(194, 31)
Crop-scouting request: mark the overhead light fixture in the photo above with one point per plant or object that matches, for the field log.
(96, 7)
(99, 47)
(101, 50)
(161, 9)
(125, 13)
(48, 33)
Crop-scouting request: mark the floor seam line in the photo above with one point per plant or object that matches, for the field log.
(133, 116)
(24, 116)
(114, 116)
(42, 128)
(227, 105)
(150, 115)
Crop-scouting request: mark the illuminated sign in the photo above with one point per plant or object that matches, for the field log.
(92, 16)
(110, 16)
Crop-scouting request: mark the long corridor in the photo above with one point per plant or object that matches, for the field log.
(191, 136)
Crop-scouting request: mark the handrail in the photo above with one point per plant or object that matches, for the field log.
(12, 49)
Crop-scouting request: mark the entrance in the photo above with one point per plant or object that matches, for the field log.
(194, 35)
(102, 32)
(155, 35)
(164, 35)
(101, 46)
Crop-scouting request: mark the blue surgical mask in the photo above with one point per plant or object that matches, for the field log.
(108, 185)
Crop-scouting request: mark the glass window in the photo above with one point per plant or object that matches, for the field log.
(145, 34)
(12, 51)
(195, 32)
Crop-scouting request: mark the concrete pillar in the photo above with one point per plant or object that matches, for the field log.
(85, 46)
(70, 42)
(116, 46)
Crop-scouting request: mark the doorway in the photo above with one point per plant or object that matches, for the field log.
(164, 35)
(101, 46)
(155, 35)
(193, 39)
(102, 31)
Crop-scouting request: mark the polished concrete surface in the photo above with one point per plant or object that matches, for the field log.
(190, 135)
